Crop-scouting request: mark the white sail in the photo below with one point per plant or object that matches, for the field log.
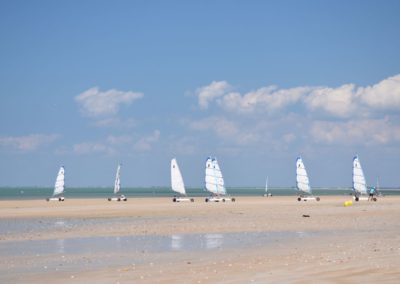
(177, 184)
(117, 183)
(266, 186)
(359, 184)
(59, 185)
(303, 184)
(214, 181)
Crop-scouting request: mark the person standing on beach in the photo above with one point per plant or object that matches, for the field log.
(371, 194)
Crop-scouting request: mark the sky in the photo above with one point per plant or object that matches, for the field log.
(90, 84)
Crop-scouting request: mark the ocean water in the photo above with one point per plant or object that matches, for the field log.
(104, 192)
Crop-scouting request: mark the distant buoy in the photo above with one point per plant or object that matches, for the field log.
(348, 203)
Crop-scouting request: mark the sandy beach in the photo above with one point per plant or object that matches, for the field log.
(153, 240)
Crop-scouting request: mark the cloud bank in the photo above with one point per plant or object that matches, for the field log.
(305, 115)
(357, 132)
(344, 101)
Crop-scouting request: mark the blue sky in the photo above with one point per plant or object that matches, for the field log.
(88, 84)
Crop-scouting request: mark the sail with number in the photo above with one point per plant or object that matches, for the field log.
(214, 182)
(60, 183)
(117, 183)
(359, 183)
(302, 181)
(177, 184)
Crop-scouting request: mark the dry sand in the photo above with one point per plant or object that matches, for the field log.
(360, 243)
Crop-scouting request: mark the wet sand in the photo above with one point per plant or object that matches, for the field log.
(254, 240)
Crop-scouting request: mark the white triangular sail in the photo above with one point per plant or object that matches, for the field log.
(266, 186)
(302, 181)
(359, 183)
(117, 183)
(214, 182)
(60, 183)
(177, 184)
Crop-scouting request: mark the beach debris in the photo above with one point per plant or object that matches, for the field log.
(348, 203)
(306, 216)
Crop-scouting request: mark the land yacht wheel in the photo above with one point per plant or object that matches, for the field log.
(375, 199)
(174, 199)
(357, 199)
(109, 199)
(298, 198)
(191, 199)
(318, 199)
(207, 200)
(233, 199)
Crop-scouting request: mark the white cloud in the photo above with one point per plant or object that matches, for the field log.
(356, 132)
(209, 93)
(27, 143)
(384, 95)
(339, 101)
(344, 101)
(145, 144)
(268, 98)
(95, 103)
(351, 101)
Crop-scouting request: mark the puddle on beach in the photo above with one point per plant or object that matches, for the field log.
(80, 254)
(147, 243)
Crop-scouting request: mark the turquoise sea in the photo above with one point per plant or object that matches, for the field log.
(104, 192)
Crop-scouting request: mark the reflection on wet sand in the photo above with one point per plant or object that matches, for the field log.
(214, 241)
(176, 242)
(204, 241)
(60, 246)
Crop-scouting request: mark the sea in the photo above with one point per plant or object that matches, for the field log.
(20, 193)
